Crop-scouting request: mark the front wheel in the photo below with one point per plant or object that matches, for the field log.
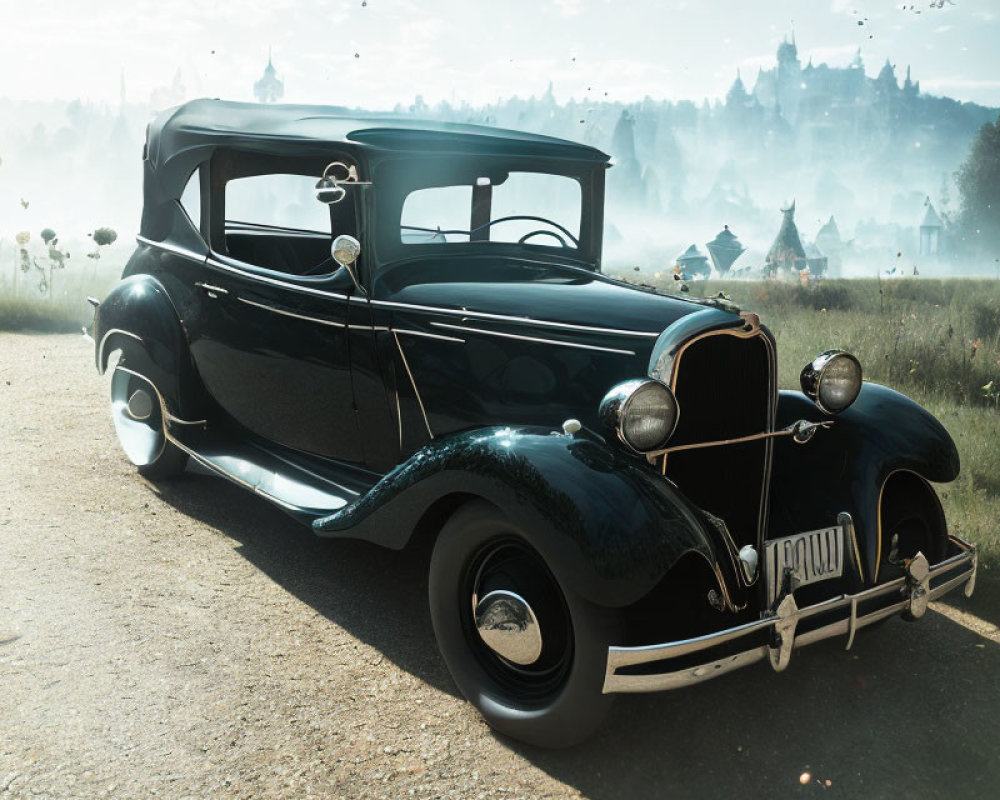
(139, 423)
(528, 654)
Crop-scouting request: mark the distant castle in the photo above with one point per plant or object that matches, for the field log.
(827, 110)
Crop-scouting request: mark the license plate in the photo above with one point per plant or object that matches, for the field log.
(810, 557)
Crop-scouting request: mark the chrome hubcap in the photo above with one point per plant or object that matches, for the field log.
(509, 627)
(140, 405)
(137, 420)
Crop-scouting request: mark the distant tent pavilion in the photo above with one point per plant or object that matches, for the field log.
(724, 249)
(693, 262)
(787, 251)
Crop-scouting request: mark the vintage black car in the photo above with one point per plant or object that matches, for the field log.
(396, 330)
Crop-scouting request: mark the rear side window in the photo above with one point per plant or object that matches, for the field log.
(191, 198)
(277, 200)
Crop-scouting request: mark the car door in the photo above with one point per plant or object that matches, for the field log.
(271, 340)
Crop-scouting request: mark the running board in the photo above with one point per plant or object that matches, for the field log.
(293, 486)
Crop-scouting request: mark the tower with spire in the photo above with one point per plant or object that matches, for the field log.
(269, 89)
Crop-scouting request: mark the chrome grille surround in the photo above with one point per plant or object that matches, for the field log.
(724, 382)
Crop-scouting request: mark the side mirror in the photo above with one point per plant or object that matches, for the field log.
(346, 250)
(328, 192)
(330, 188)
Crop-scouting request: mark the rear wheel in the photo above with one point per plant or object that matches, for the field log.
(139, 423)
(528, 654)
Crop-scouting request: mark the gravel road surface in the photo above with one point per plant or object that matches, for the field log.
(189, 640)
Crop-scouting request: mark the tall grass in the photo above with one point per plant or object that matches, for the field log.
(65, 308)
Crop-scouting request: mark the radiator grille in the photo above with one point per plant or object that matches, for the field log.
(725, 390)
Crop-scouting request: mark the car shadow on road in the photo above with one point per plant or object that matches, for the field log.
(377, 595)
(912, 710)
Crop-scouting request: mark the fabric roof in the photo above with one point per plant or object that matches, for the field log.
(213, 123)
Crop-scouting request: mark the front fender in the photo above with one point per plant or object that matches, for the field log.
(612, 525)
(844, 467)
(138, 318)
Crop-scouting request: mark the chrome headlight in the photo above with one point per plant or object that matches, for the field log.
(642, 412)
(832, 380)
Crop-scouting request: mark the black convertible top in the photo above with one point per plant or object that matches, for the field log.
(181, 138)
(298, 129)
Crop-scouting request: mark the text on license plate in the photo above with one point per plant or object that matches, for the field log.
(811, 556)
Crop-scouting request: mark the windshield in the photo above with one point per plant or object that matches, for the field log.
(524, 208)
(457, 206)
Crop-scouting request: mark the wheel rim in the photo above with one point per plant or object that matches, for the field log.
(516, 621)
(138, 421)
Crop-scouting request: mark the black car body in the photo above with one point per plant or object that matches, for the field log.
(622, 499)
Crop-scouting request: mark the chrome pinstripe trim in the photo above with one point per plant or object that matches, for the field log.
(429, 335)
(284, 313)
(520, 320)
(289, 233)
(461, 312)
(164, 411)
(413, 383)
(104, 339)
(556, 342)
(173, 248)
(286, 284)
(399, 417)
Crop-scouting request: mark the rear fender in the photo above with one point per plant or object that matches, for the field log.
(138, 319)
(844, 467)
(611, 524)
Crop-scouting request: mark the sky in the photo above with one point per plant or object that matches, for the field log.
(377, 53)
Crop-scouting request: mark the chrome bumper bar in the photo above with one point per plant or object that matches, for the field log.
(908, 595)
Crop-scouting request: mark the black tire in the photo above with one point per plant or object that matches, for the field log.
(554, 702)
(144, 439)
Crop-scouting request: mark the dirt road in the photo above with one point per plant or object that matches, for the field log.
(191, 641)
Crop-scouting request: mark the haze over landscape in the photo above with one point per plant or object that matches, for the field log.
(715, 114)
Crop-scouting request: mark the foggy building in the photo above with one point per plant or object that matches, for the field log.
(815, 260)
(829, 242)
(787, 251)
(625, 184)
(269, 89)
(694, 262)
(930, 231)
(724, 249)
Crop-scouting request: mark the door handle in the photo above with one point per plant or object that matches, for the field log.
(210, 290)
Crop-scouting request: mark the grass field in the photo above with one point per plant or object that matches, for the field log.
(937, 341)
(65, 310)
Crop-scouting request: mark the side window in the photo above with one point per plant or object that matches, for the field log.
(274, 221)
(191, 198)
(282, 201)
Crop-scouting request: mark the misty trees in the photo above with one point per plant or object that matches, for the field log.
(978, 182)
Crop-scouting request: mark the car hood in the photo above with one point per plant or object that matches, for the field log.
(567, 297)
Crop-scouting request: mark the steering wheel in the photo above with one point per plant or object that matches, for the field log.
(541, 232)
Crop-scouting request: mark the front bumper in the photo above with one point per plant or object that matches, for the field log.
(677, 664)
